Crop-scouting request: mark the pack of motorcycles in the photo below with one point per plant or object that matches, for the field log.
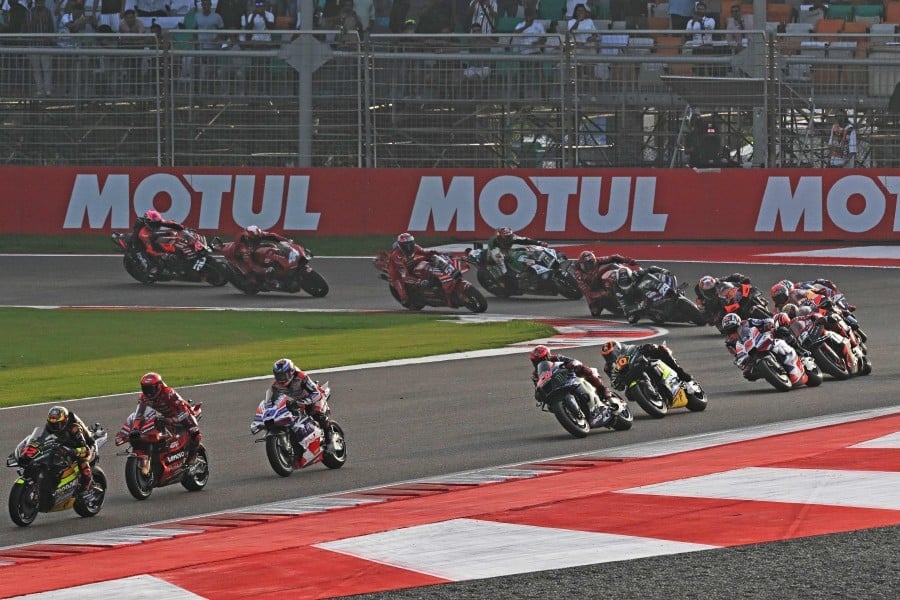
(156, 451)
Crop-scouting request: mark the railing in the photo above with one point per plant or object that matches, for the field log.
(624, 99)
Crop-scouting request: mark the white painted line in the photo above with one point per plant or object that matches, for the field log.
(876, 252)
(123, 536)
(463, 549)
(857, 489)
(139, 587)
(891, 440)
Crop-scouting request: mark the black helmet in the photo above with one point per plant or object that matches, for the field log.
(284, 371)
(730, 323)
(624, 278)
(57, 419)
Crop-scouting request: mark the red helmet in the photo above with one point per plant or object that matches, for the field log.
(407, 243)
(587, 259)
(539, 354)
(780, 291)
(152, 215)
(782, 320)
(151, 385)
(609, 348)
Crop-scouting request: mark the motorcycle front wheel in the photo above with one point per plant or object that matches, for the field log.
(336, 458)
(647, 398)
(473, 299)
(23, 503)
(571, 417)
(774, 374)
(140, 486)
(567, 286)
(830, 362)
(136, 271)
(214, 272)
(280, 453)
(196, 480)
(314, 284)
(85, 509)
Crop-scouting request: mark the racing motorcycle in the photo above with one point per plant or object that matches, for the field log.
(464, 294)
(743, 299)
(654, 385)
(48, 478)
(545, 272)
(158, 453)
(603, 295)
(835, 354)
(193, 259)
(763, 363)
(290, 272)
(574, 401)
(664, 299)
(295, 440)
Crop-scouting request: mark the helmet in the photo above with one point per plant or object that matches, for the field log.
(730, 323)
(624, 278)
(152, 215)
(782, 320)
(780, 291)
(790, 310)
(151, 385)
(587, 259)
(538, 354)
(284, 371)
(57, 419)
(253, 231)
(407, 243)
(707, 284)
(505, 234)
(610, 348)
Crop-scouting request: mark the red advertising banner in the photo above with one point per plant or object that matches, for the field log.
(635, 204)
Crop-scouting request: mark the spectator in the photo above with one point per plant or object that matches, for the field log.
(532, 33)
(207, 22)
(258, 19)
(41, 21)
(583, 30)
(16, 18)
(738, 22)
(232, 11)
(701, 22)
(484, 15)
(680, 12)
(842, 142)
(110, 13)
(74, 20)
(151, 8)
(130, 23)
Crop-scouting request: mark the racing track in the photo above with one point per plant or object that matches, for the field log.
(446, 417)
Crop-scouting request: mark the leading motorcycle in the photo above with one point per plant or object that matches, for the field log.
(48, 477)
(574, 401)
(289, 273)
(463, 293)
(157, 454)
(545, 267)
(293, 439)
(654, 385)
(193, 259)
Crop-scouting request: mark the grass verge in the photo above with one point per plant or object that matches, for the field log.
(61, 354)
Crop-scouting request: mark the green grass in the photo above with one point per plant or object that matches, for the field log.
(61, 354)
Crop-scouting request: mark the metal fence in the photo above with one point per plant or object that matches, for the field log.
(622, 99)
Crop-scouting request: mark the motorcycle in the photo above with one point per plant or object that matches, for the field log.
(664, 299)
(294, 441)
(654, 385)
(289, 273)
(464, 294)
(835, 354)
(545, 268)
(603, 295)
(157, 455)
(763, 362)
(574, 401)
(48, 478)
(192, 261)
(743, 299)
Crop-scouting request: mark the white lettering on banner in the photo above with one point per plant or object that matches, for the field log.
(112, 201)
(806, 204)
(892, 184)
(459, 202)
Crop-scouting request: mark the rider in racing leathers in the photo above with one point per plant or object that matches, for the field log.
(588, 273)
(410, 264)
(147, 230)
(613, 350)
(257, 250)
(542, 353)
(174, 409)
(73, 435)
(501, 242)
(629, 293)
(797, 320)
(710, 290)
(304, 393)
(738, 331)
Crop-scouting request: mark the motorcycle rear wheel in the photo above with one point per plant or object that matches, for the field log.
(197, 480)
(648, 398)
(336, 459)
(89, 510)
(315, 285)
(567, 286)
(135, 270)
(280, 453)
(140, 486)
(571, 417)
(490, 283)
(829, 361)
(23, 504)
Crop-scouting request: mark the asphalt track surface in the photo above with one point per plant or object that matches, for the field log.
(468, 414)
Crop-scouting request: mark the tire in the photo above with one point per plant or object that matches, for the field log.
(140, 486)
(242, 282)
(867, 366)
(314, 284)
(490, 284)
(196, 481)
(567, 286)
(280, 453)
(23, 504)
(830, 362)
(571, 417)
(336, 459)
(215, 273)
(689, 313)
(473, 299)
(648, 398)
(624, 420)
(697, 401)
(814, 376)
(136, 272)
(89, 510)
(775, 375)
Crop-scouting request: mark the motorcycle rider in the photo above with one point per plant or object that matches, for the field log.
(502, 241)
(628, 292)
(174, 409)
(710, 291)
(796, 319)
(589, 271)
(303, 393)
(257, 250)
(737, 331)
(787, 291)
(410, 264)
(147, 230)
(613, 350)
(542, 353)
(74, 437)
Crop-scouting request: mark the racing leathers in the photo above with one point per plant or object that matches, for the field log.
(850, 352)
(741, 341)
(304, 395)
(79, 444)
(591, 281)
(498, 248)
(148, 232)
(416, 269)
(260, 253)
(177, 413)
(588, 374)
(653, 351)
(633, 300)
(712, 302)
